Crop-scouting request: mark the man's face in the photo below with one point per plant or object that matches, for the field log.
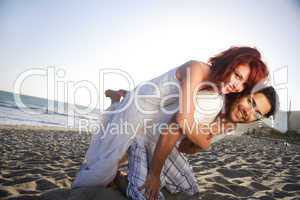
(249, 108)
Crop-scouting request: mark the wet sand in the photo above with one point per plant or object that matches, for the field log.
(40, 163)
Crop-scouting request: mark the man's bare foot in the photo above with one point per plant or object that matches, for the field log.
(121, 181)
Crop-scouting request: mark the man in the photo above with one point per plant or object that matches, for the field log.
(169, 167)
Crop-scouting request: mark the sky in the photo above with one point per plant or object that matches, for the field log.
(77, 39)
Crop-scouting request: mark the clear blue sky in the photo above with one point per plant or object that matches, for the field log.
(144, 38)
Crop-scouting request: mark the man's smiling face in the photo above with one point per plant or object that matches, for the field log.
(249, 108)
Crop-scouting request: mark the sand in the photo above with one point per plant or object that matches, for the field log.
(40, 163)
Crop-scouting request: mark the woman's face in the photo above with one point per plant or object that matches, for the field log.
(236, 80)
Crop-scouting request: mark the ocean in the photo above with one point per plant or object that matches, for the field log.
(37, 113)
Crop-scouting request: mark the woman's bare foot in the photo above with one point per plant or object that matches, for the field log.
(114, 95)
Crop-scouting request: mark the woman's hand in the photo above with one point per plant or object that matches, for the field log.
(151, 187)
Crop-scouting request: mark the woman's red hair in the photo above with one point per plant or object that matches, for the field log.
(224, 63)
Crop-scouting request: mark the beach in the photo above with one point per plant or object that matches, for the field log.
(41, 163)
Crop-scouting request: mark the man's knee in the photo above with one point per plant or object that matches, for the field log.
(134, 193)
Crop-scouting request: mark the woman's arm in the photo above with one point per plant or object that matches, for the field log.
(191, 75)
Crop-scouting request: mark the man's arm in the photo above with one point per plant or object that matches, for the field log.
(164, 146)
(187, 147)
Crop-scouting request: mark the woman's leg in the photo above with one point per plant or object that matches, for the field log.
(91, 172)
(104, 118)
(102, 157)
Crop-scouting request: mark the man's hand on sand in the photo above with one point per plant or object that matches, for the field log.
(151, 187)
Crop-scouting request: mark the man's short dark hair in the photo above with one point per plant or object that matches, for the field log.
(273, 98)
(269, 93)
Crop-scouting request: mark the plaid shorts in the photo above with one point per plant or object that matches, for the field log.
(177, 175)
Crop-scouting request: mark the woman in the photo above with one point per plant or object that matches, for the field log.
(231, 71)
